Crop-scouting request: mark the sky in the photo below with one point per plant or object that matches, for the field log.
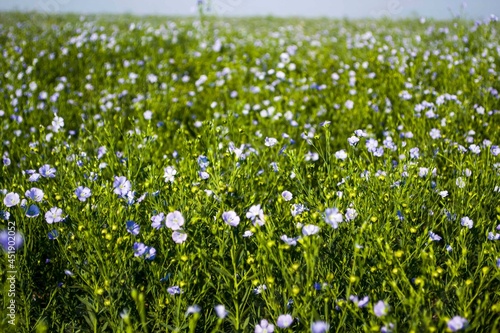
(439, 9)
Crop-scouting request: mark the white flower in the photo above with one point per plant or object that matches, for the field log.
(341, 155)
(256, 215)
(270, 142)
(148, 115)
(350, 214)
(220, 310)
(423, 172)
(435, 133)
(310, 229)
(333, 217)
(169, 174)
(460, 182)
(443, 194)
(57, 124)
(349, 105)
(353, 140)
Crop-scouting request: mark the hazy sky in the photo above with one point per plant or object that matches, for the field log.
(441, 9)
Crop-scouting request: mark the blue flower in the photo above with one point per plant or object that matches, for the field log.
(147, 252)
(203, 162)
(32, 211)
(47, 171)
(174, 290)
(53, 234)
(165, 279)
(133, 228)
(140, 249)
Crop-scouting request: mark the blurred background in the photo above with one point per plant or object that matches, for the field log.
(439, 9)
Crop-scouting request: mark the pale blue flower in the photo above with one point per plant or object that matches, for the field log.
(467, 222)
(83, 193)
(121, 186)
(287, 196)
(298, 209)
(341, 155)
(256, 215)
(203, 162)
(193, 309)
(495, 150)
(157, 220)
(269, 142)
(284, 321)
(353, 140)
(457, 323)
(310, 229)
(289, 241)
(54, 215)
(264, 327)
(434, 237)
(350, 214)
(380, 309)
(11, 199)
(174, 220)
(333, 217)
(34, 194)
(319, 327)
(231, 218)
(179, 237)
